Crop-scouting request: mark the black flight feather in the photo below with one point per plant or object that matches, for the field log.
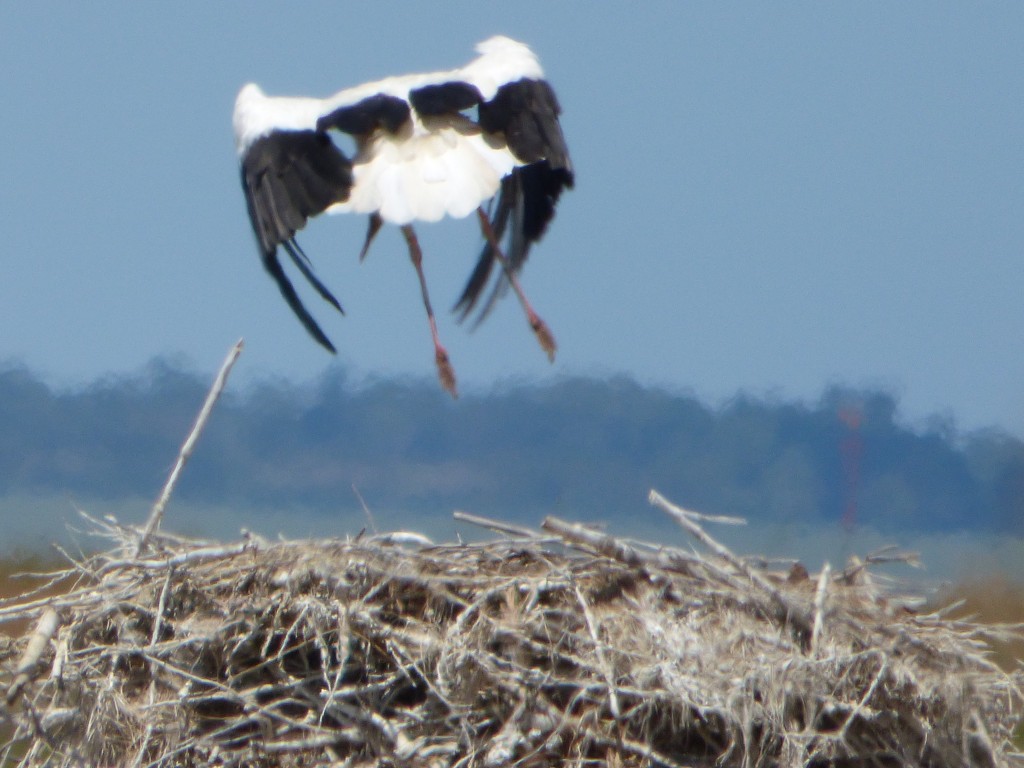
(287, 177)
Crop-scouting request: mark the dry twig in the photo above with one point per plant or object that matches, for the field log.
(156, 515)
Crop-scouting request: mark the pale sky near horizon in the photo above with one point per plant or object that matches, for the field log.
(771, 198)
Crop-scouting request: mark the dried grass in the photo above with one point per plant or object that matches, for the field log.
(544, 648)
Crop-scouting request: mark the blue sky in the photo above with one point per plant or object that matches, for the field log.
(770, 198)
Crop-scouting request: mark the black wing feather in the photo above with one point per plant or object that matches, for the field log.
(273, 266)
(526, 114)
(301, 260)
(444, 98)
(366, 116)
(485, 263)
(289, 177)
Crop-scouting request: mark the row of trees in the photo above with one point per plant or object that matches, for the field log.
(577, 447)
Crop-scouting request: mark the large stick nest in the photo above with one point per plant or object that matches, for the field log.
(562, 648)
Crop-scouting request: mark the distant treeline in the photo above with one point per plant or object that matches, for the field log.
(577, 446)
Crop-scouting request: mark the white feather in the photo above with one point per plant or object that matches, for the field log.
(257, 114)
(502, 60)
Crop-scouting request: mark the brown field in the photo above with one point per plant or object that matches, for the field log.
(14, 582)
(994, 600)
(17, 577)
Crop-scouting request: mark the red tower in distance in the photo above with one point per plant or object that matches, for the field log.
(851, 448)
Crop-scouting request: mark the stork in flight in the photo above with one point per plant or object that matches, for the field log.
(421, 154)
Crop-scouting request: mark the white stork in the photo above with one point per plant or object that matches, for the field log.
(420, 155)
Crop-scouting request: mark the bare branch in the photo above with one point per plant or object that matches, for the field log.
(789, 610)
(156, 515)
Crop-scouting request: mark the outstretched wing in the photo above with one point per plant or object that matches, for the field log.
(289, 177)
(525, 113)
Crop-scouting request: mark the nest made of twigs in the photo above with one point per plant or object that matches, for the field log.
(543, 648)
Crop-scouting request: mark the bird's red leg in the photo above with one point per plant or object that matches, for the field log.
(540, 328)
(445, 372)
(375, 224)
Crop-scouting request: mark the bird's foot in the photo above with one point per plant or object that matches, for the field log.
(544, 336)
(445, 372)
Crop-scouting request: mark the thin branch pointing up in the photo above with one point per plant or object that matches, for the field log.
(186, 449)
